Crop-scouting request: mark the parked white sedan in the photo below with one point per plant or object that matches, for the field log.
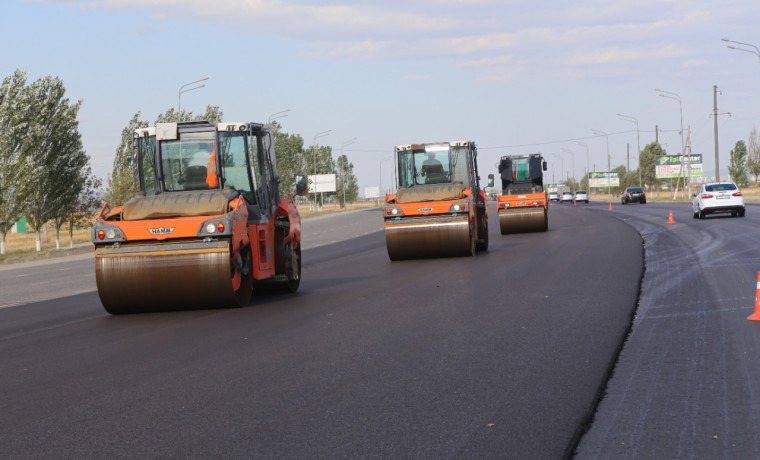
(718, 197)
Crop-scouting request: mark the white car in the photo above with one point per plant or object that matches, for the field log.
(553, 196)
(717, 197)
(566, 196)
(581, 195)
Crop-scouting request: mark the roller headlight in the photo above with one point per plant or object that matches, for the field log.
(105, 233)
(220, 226)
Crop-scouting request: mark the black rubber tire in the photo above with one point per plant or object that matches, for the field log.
(482, 245)
(282, 266)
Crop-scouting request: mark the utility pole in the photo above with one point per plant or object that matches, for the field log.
(627, 157)
(715, 126)
(656, 134)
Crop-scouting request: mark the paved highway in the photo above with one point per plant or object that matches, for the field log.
(503, 355)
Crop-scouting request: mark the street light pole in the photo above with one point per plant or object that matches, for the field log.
(182, 90)
(676, 97)
(756, 50)
(276, 115)
(343, 171)
(638, 141)
(588, 188)
(572, 156)
(316, 136)
(607, 136)
(562, 162)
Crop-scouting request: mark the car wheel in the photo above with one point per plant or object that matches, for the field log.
(701, 214)
(695, 214)
(741, 212)
(586, 201)
(643, 202)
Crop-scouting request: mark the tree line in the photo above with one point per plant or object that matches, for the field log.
(292, 158)
(45, 174)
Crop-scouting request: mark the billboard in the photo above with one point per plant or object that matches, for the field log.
(669, 166)
(603, 179)
(324, 183)
(372, 192)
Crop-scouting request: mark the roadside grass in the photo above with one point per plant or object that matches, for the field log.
(23, 245)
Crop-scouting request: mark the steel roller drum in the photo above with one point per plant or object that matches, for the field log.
(521, 220)
(427, 239)
(134, 279)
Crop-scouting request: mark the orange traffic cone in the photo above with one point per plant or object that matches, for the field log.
(670, 219)
(610, 205)
(756, 315)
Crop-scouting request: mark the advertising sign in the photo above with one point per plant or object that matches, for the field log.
(371, 192)
(669, 166)
(603, 179)
(324, 183)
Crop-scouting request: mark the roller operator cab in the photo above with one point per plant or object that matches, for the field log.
(439, 209)
(523, 201)
(205, 224)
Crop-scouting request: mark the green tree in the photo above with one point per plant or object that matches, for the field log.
(52, 150)
(347, 185)
(291, 158)
(629, 179)
(12, 127)
(89, 202)
(647, 164)
(753, 154)
(213, 114)
(737, 166)
(121, 183)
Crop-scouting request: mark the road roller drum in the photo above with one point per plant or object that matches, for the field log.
(168, 277)
(434, 238)
(520, 220)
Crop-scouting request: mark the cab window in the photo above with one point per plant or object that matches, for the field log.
(235, 169)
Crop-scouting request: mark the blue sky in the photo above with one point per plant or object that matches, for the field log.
(512, 76)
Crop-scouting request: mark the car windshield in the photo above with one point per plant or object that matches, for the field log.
(720, 187)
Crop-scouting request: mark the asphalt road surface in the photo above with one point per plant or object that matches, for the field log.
(503, 355)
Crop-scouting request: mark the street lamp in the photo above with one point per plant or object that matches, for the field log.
(316, 136)
(572, 156)
(638, 141)
(562, 167)
(587, 164)
(676, 97)
(343, 171)
(607, 136)
(182, 90)
(276, 115)
(756, 50)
